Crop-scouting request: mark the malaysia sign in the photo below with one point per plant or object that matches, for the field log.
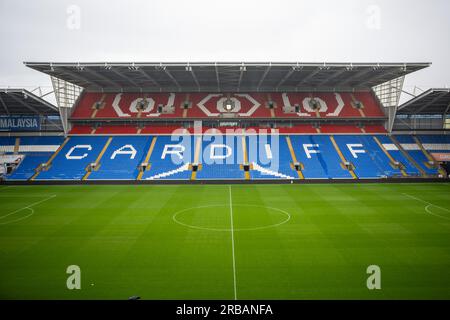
(20, 123)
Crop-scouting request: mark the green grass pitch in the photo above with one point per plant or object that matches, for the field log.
(220, 242)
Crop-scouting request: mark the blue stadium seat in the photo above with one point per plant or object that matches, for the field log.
(319, 157)
(32, 160)
(122, 158)
(43, 140)
(435, 138)
(26, 168)
(367, 157)
(269, 156)
(409, 167)
(216, 147)
(416, 154)
(166, 163)
(7, 144)
(272, 162)
(7, 141)
(75, 156)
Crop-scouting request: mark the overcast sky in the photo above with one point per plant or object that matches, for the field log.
(228, 30)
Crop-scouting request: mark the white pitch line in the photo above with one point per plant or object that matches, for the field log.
(28, 206)
(232, 242)
(429, 205)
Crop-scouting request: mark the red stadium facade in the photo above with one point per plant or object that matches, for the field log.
(221, 106)
(240, 105)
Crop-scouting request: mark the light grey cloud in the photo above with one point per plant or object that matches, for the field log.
(232, 30)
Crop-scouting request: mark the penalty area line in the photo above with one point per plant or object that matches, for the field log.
(232, 242)
(428, 205)
(29, 207)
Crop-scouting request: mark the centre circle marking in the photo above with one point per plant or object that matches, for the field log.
(279, 211)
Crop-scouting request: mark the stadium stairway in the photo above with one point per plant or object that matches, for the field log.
(437, 146)
(431, 160)
(410, 145)
(16, 146)
(368, 159)
(380, 158)
(245, 155)
(198, 146)
(392, 160)
(295, 164)
(27, 167)
(344, 163)
(396, 151)
(145, 165)
(399, 153)
(73, 158)
(121, 158)
(35, 151)
(98, 105)
(96, 164)
(319, 157)
(45, 166)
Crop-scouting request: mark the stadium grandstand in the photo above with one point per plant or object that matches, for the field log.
(30, 132)
(224, 121)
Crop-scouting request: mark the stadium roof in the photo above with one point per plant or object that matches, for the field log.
(23, 102)
(225, 76)
(433, 101)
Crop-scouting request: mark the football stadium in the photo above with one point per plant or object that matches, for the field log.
(216, 180)
(234, 159)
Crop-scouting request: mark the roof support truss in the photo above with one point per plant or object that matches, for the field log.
(172, 78)
(217, 77)
(148, 77)
(27, 105)
(335, 75)
(374, 79)
(98, 75)
(263, 76)
(356, 75)
(309, 76)
(226, 76)
(4, 106)
(283, 80)
(194, 77)
(79, 76)
(432, 101)
(446, 110)
(125, 77)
